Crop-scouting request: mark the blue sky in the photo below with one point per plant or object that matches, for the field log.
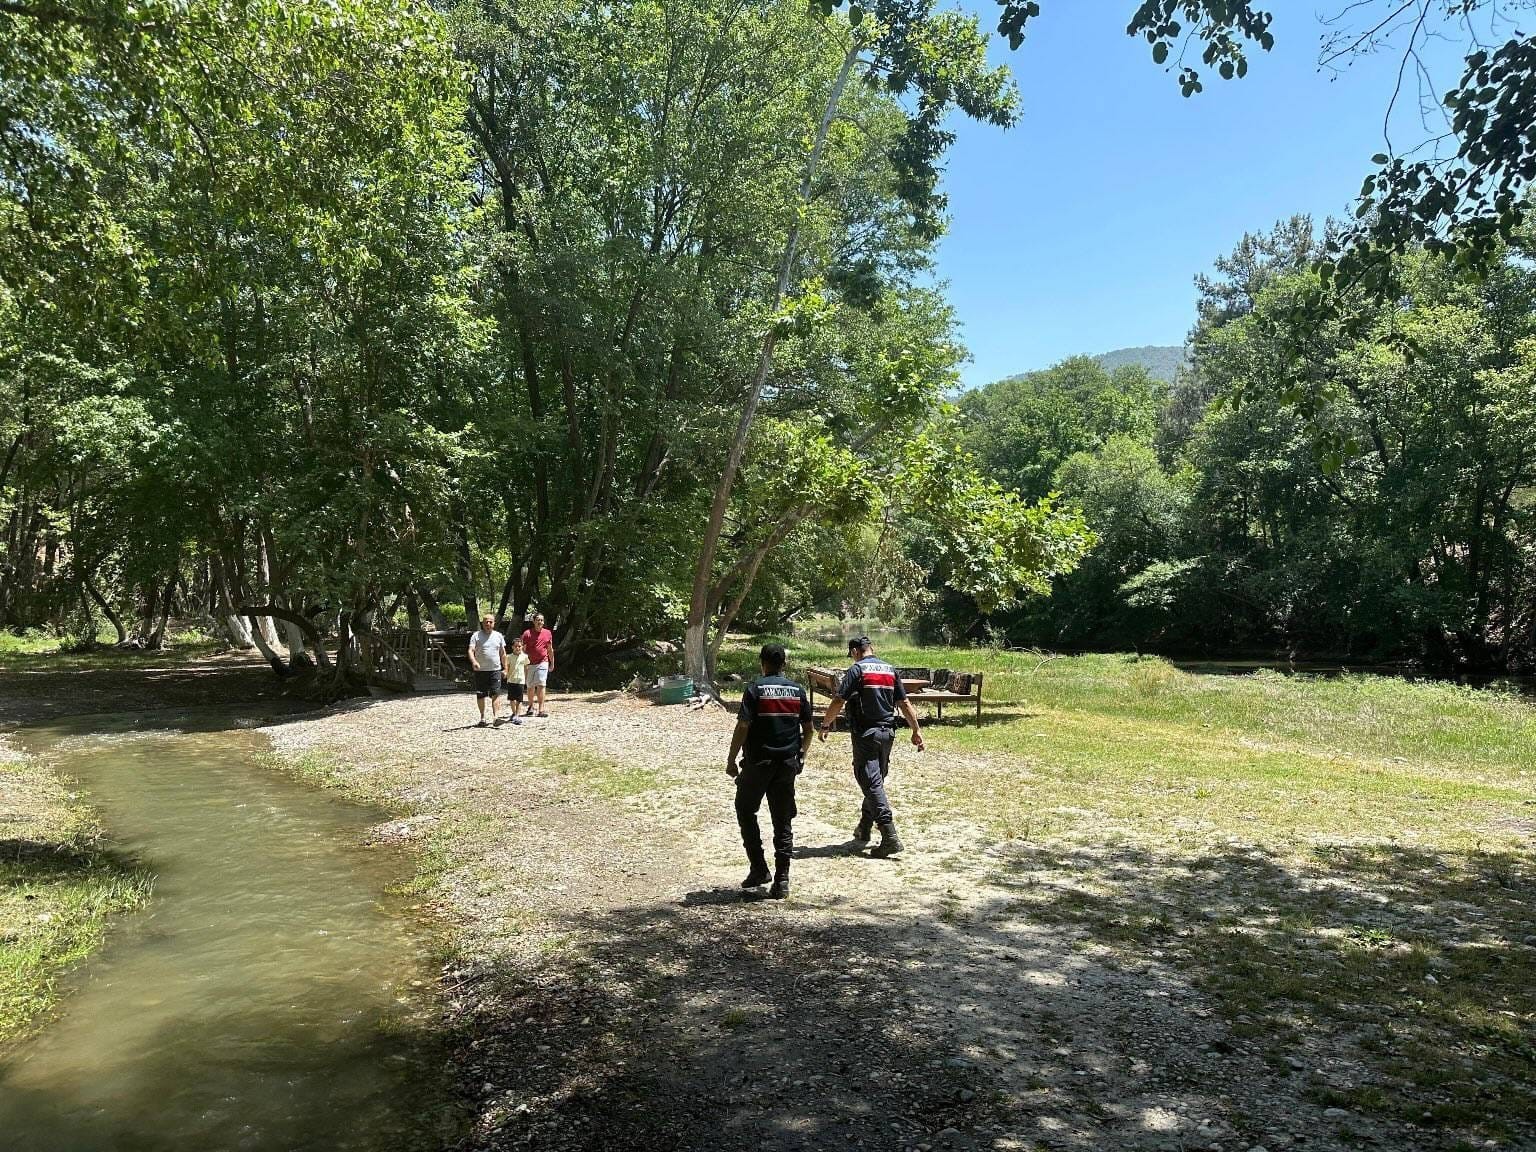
(1081, 229)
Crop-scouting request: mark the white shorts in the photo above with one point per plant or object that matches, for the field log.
(538, 674)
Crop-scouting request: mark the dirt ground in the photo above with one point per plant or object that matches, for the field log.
(612, 987)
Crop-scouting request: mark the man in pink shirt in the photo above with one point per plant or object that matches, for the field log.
(539, 643)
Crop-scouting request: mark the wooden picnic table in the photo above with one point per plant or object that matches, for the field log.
(919, 690)
(939, 697)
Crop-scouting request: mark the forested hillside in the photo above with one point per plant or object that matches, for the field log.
(1162, 362)
(1386, 509)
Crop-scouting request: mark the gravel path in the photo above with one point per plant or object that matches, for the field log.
(611, 987)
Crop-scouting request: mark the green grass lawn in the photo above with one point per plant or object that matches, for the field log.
(1135, 747)
(42, 651)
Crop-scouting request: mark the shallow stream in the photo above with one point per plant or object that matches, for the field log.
(269, 997)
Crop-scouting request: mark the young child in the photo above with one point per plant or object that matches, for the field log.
(517, 676)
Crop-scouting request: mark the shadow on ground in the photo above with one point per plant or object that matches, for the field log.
(723, 1023)
(29, 695)
(1117, 999)
(1395, 987)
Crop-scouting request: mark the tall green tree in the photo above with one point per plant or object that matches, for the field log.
(1022, 429)
(287, 201)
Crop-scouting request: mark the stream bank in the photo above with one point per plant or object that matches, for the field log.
(276, 992)
(272, 997)
(61, 885)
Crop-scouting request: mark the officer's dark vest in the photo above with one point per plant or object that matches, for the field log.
(874, 704)
(778, 704)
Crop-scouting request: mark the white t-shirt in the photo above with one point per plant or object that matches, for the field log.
(488, 648)
(517, 662)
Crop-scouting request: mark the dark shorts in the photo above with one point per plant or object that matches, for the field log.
(514, 692)
(488, 683)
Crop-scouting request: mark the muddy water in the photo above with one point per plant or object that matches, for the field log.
(262, 1001)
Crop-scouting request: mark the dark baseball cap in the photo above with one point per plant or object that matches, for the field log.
(858, 643)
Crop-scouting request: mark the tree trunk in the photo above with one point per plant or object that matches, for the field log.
(506, 592)
(157, 637)
(701, 603)
(696, 655)
(106, 610)
(748, 576)
(264, 624)
(145, 600)
(239, 632)
(298, 631)
(298, 658)
(267, 650)
(434, 611)
(344, 641)
(466, 568)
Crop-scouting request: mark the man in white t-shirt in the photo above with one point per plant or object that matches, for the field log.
(488, 658)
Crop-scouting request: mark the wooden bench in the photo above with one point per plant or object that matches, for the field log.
(939, 697)
(823, 680)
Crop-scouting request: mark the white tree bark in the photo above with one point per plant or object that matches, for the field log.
(268, 650)
(293, 637)
(265, 624)
(239, 632)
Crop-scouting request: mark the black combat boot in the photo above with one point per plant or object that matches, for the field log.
(759, 875)
(865, 826)
(890, 843)
(780, 887)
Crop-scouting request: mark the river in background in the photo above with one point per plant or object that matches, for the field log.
(271, 996)
(839, 633)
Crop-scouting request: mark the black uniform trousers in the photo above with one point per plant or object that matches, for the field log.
(775, 779)
(871, 765)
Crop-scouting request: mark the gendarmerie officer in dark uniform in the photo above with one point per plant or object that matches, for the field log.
(872, 691)
(775, 725)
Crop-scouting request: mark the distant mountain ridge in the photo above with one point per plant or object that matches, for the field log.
(1162, 361)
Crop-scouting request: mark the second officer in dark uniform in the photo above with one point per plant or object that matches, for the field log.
(775, 726)
(873, 691)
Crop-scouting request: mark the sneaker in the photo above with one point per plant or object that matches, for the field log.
(543, 715)
(498, 722)
(483, 724)
(529, 712)
(517, 721)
